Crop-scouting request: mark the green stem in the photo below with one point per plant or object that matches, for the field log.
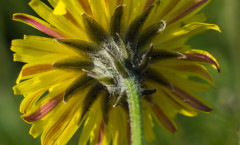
(135, 111)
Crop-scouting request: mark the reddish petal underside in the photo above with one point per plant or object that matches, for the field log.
(197, 5)
(36, 69)
(149, 3)
(101, 134)
(191, 56)
(163, 119)
(44, 109)
(38, 25)
(189, 99)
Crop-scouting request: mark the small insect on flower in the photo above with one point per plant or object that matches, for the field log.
(112, 67)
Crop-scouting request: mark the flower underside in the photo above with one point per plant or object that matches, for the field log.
(114, 57)
(81, 75)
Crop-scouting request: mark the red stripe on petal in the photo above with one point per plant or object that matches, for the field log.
(202, 58)
(119, 2)
(36, 69)
(38, 25)
(172, 99)
(43, 110)
(32, 99)
(148, 4)
(189, 99)
(106, 3)
(197, 5)
(86, 6)
(163, 119)
(170, 6)
(100, 134)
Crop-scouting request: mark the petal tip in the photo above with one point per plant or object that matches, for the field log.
(16, 90)
(217, 28)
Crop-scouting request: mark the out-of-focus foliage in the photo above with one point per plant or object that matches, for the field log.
(221, 127)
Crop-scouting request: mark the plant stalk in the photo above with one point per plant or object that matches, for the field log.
(135, 110)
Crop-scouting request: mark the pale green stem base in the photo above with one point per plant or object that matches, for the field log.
(135, 110)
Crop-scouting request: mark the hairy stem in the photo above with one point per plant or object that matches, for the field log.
(135, 111)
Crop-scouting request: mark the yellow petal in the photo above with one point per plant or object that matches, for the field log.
(92, 123)
(37, 50)
(148, 124)
(29, 70)
(64, 120)
(170, 104)
(99, 12)
(43, 81)
(34, 100)
(182, 34)
(63, 24)
(119, 133)
(187, 10)
(37, 128)
(60, 9)
(184, 69)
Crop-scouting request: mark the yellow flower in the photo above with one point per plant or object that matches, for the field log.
(80, 76)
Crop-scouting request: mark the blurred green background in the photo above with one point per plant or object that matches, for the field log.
(221, 127)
